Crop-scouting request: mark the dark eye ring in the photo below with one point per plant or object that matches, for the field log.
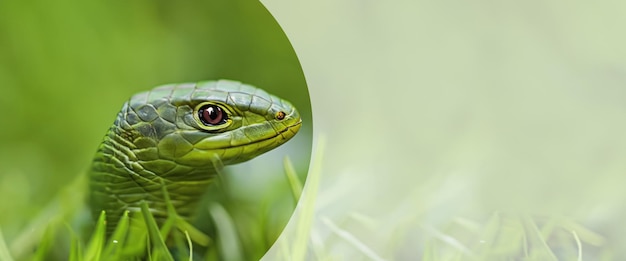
(212, 115)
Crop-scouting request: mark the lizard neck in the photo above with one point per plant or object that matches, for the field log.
(127, 171)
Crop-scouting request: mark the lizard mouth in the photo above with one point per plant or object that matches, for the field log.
(291, 127)
(294, 128)
(286, 134)
(281, 136)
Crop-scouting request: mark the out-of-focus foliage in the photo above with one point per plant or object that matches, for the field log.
(477, 130)
(67, 66)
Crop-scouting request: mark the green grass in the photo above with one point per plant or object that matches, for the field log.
(508, 237)
(139, 236)
(502, 236)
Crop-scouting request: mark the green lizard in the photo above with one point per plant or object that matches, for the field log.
(181, 135)
(171, 142)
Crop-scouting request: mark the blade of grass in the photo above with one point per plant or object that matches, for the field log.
(227, 233)
(509, 240)
(149, 248)
(292, 176)
(579, 245)
(137, 240)
(4, 250)
(171, 211)
(44, 245)
(196, 235)
(583, 233)
(540, 249)
(307, 206)
(179, 246)
(449, 240)
(347, 236)
(548, 228)
(76, 251)
(117, 239)
(94, 249)
(190, 244)
(160, 251)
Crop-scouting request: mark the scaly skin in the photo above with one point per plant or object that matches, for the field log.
(160, 136)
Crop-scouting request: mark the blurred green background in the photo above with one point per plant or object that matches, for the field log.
(66, 68)
(463, 130)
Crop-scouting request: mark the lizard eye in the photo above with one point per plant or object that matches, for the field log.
(280, 115)
(212, 115)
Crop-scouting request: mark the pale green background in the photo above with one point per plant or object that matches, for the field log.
(439, 110)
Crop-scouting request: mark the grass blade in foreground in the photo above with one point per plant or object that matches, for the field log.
(160, 251)
(94, 249)
(294, 181)
(4, 250)
(305, 210)
(227, 234)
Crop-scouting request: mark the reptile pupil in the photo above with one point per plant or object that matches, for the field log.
(280, 115)
(212, 115)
